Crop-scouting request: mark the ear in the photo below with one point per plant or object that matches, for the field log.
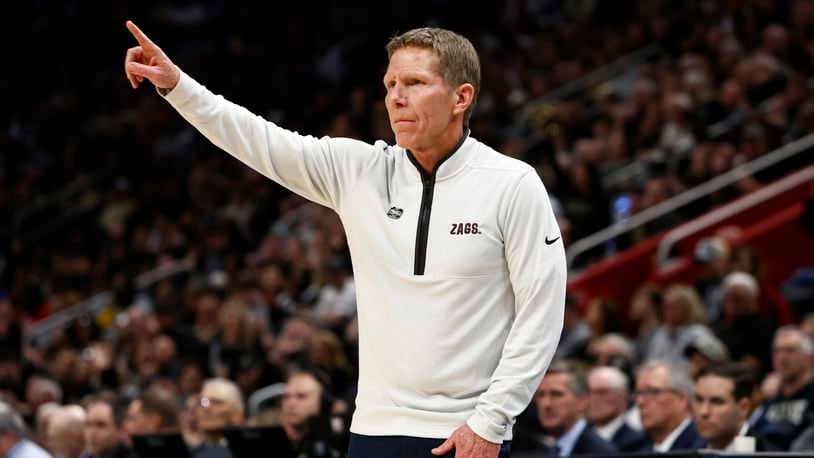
(745, 407)
(464, 96)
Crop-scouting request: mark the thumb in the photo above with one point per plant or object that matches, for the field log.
(443, 449)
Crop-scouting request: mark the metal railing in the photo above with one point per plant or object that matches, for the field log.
(691, 195)
(664, 250)
(39, 332)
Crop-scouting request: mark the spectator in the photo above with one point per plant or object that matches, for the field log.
(745, 332)
(721, 407)
(683, 319)
(220, 406)
(561, 400)
(662, 394)
(575, 333)
(704, 351)
(14, 442)
(306, 409)
(645, 313)
(154, 411)
(713, 255)
(792, 359)
(103, 432)
(608, 402)
(66, 431)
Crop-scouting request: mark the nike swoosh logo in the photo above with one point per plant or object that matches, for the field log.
(549, 242)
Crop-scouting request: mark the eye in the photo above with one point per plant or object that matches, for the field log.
(415, 82)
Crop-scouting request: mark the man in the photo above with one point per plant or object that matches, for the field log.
(608, 402)
(791, 357)
(305, 401)
(14, 441)
(721, 407)
(745, 332)
(65, 437)
(220, 406)
(154, 411)
(103, 432)
(703, 351)
(458, 262)
(560, 401)
(663, 395)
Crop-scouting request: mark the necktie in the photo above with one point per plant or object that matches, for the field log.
(554, 451)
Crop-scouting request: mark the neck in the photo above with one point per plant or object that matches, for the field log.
(295, 433)
(429, 158)
(648, 324)
(660, 434)
(794, 384)
(212, 437)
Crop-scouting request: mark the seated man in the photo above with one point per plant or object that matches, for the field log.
(608, 401)
(66, 426)
(306, 413)
(154, 411)
(561, 399)
(791, 356)
(103, 432)
(663, 395)
(721, 406)
(14, 442)
(220, 406)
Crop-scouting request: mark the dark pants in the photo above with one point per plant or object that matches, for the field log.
(401, 447)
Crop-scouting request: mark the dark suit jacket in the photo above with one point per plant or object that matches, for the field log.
(628, 439)
(590, 443)
(688, 440)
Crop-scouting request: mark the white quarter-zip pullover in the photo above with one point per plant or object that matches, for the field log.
(460, 274)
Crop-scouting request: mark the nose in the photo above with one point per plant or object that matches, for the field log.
(702, 409)
(396, 96)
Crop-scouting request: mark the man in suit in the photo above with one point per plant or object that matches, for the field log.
(14, 441)
(561, 399)
(721, 406)
(608, 401)
(662, 394)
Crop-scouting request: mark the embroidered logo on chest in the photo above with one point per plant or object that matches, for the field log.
(394, 213)
(464, 229)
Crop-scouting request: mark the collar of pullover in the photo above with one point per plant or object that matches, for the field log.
(452, 162)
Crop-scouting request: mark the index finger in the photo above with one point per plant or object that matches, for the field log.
(142, 39)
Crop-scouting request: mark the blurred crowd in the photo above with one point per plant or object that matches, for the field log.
(100, 184)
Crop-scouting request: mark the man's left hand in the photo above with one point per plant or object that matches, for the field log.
(467, 444)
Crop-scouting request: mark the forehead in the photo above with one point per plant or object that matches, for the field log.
(302, 384)
(714, 386)
(100, 411)
(558, 381)
(654, 376)
(787, 339)
(599, 380)
(214, 390)
(413, 59)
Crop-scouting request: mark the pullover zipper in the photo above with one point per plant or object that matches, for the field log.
(428, 187)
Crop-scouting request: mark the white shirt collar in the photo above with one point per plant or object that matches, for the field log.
(667, 443)
(742, 432)
(610, 428)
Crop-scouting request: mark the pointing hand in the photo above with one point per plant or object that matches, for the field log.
(147, 60)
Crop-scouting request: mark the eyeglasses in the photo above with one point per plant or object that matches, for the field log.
(650, 393)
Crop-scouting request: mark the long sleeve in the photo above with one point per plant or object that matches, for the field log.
(537, 271)
(322, 170)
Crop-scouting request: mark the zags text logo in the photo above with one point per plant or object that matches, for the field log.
(464, 228)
